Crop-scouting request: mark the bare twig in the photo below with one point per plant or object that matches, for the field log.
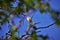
(46, 26)
(36, 23)
(21, 21)
(34, 27)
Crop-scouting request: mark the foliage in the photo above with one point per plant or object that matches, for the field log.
(7, 9)
(24, 6)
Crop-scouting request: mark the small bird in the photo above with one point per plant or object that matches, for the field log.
(29, 19)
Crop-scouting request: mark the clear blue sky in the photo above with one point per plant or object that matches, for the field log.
(45, 19)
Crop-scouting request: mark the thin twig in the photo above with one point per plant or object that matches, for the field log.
(36, 23)
(21, 21)
(46, 26)
(12, 22)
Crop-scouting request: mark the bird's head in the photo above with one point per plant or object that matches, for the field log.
(29, 19)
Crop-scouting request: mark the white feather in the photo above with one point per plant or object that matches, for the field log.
(28, 18)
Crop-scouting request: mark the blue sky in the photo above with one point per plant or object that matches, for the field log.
(45, 19)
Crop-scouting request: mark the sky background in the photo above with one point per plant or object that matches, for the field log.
(45, 19)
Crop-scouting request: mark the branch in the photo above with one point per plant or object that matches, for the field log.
(32, 16)
(11, 19)
(46, 26)
(25, 36)
(12, 22)
(34, 27)
(36, 23)
(20, 22)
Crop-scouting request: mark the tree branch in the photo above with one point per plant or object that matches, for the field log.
(36, 23)
(46, 26)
